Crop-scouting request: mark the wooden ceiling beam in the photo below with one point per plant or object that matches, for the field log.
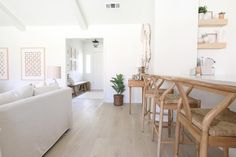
(80, 16)
(17, 22)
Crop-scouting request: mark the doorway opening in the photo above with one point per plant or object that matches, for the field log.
(85, 67)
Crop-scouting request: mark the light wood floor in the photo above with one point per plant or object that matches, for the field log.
(103, 130)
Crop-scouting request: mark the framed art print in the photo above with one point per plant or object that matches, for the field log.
(74, 54)
(74, 65)
(33, 63)
(4, 64)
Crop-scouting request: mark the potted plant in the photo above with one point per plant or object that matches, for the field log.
(202, 10)
(119, 87)
(221, 15)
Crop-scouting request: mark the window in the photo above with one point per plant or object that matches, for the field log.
(88, 64)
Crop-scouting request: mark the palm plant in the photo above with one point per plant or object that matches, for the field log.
(118, 83)
(202, 9)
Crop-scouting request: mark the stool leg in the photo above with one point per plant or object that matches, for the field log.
(153, 119)
(177, 139)
(197, 149)
(160, 129)
(204, 144)
(181, 135)
(143, 112)
(226, 152)
(149, 108)
(169, 123)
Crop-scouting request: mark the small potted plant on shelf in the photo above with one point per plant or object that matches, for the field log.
(221, 15)
(202, 10)
(119, 87)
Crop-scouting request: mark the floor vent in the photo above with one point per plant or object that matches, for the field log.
(113, 5)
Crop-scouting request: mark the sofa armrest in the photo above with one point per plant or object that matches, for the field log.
(31, 126)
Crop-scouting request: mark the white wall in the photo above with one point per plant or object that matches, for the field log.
(175, 36)
(122, 48)
(49, 38)
(225, 58)
(96, 76)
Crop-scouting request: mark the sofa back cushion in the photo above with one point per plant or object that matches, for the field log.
(16, 94)
(45, 89)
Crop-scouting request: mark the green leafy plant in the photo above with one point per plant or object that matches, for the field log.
(118, 83)
(202, 9)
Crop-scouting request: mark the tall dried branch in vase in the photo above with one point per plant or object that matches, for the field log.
(146, 40)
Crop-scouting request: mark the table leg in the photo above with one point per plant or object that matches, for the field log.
(142, 95)
(129, 100)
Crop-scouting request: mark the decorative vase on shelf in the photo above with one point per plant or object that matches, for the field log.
(201, 16)
(141, 71)
(222, 15)
(205, 38)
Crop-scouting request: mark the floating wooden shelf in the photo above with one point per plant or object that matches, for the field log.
(211, 45)
(213, 23)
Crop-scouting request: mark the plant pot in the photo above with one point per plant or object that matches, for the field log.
(201, 16)
(118, 99)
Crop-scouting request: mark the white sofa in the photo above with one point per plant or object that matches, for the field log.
(29, 127)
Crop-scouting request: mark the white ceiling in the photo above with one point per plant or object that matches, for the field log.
(85, 40)
(65, 12)
(42, 12)
(130, 11)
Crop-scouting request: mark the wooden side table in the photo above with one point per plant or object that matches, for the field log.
(134, 83)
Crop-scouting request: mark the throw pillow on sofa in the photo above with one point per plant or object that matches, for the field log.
(8, 97)
(25, 91)
(16, 94)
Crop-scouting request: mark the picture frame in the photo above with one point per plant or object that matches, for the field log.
(74, 66)
(71, 54)
(4, 65)
(33, 63)
(71, 65)
(74, 54)
(212, 37)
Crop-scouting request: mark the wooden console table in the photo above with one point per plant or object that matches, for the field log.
(134, 83)
(80, 86)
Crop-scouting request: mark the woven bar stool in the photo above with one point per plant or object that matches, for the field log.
(168, 102)
(215, 127)
(151, 84)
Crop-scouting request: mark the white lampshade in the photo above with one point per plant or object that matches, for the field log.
(53, 72)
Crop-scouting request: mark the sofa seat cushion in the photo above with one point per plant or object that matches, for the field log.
(223, 125)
